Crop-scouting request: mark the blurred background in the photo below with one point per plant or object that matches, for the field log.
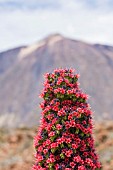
(37, 36)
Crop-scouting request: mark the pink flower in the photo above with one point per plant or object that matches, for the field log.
(54, 121)
(98, 165)
(68, 140)
(58, 126)
(77, 159)
(77, 76)
(50, 116)
(72, 123)
(76, 114)
(60, 140)
(46, 75)
(89, 162)
(67, 125)
(70, 116)
(68, 153)
(60, 80)
(42, 105)
(56, 167)
(72, 164)
(37, 167)
(52, 133)
(74, 146)
(36, 140)
(48, 141)
(81, 167)
(50, 160)
(49, 127)
(61, 113)
(40, 148)
(45, 151)
(84, 96)
(59, 90)
(85, 154)
(54, 145)
(77, 95)
(67, 81)
(55, 108)
(39, 158)
(80, 110)
(72, 91)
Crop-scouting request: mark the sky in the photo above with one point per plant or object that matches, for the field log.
(24, 22)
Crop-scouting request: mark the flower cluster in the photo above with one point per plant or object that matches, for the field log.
(64, 140)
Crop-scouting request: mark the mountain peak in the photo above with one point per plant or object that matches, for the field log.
(55, 35)
(53, 38)
(29, 49)
(50, 40)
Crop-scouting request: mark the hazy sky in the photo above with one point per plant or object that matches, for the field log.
(27, 21)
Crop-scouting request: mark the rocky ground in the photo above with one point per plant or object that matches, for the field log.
(16, 147)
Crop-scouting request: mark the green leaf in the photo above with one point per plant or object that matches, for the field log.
(53, 150)
(51, 166)
(58, 95)
(46, 98)
(82, 134)
(40, 163)
(53, 138)
(65, 117)
(40, 141)
(62, 145)
(74, 150)
(87, 135)
(77, 131)
(53, 127)
(74, 99)
(62, 155)
(58, 132)
(50, 79)
(62, 121)
(62, 96)
(87, 144)
(69, 145)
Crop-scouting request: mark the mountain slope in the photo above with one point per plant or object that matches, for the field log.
(21, 80)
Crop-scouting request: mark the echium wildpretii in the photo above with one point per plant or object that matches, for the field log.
(64, 140)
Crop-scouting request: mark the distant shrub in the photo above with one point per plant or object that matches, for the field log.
(64, 140)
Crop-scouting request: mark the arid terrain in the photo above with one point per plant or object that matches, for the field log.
(17, 150)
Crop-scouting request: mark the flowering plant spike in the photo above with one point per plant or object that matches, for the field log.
(64, 140)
